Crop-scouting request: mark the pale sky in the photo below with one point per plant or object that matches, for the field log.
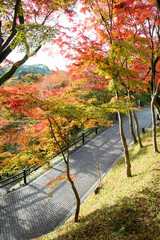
(43, 57)
(54, 62)
(53, 59)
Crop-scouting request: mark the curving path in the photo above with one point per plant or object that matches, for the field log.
(27, 213)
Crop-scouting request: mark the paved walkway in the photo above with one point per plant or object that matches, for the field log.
(27, 213)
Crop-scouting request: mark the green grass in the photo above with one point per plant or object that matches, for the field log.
(125, 208)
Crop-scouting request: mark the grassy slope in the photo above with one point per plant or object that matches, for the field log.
(124, 208)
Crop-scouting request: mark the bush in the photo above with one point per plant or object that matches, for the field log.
(145, 98)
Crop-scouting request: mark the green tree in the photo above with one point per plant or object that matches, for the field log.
(24, 25)
(54, 114)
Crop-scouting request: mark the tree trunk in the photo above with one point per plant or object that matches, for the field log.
(158, 111)
(66, 160)
(73, 188)
(137, 129)
(127, 161)
(131, 127)
(154, 126)
(155, 92)
(125, 147)
(14, 67)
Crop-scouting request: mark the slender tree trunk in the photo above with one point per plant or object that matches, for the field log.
(73, 188)
(137, 129)
(154, 126)
(127, 160)
(131, 127)
(136, 122)
(124, 142)
(158, 111)
(153, 101)
(66, 160)
(155, 92)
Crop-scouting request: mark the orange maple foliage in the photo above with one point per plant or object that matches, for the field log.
(58, 79)
(54, 182)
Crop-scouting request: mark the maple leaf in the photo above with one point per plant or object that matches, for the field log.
(55, 182)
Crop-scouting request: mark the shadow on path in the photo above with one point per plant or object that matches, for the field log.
(27, 213)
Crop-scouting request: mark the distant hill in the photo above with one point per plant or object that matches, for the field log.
(28, 69)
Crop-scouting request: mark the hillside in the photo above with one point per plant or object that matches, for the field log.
(24, 70)
(124, 208)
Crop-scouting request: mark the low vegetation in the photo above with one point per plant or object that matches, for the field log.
(125, 208)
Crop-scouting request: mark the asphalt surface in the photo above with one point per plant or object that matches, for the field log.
(28, 213)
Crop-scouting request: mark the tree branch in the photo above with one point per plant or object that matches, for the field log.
(104, 20)
(5, 53)
(13, 30)
(53, 135)
(14, 67)
(1, 39)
